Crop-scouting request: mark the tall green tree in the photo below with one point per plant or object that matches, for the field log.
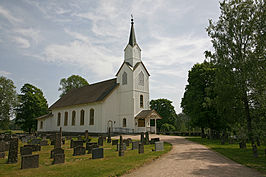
(32, 104)
(238, 39)
(166, 110)
(8, 101)
(198, 101)
(74, 81)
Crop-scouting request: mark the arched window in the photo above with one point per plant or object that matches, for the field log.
(82, 117)
(141, 78)
(141, 101)
(41, 125)
(66, 119)
(124, 122)
(73, 117)
(58, 119)
(124, 78)
(91, 116)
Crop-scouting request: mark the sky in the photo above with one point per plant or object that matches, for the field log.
(42, 42)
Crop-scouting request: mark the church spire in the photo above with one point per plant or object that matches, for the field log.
(132, 38)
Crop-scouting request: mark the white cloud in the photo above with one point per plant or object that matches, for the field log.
(22, 42)
(4, 73)
(4, 12)
(29, 33)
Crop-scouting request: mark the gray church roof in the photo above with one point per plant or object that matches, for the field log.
(87, 94)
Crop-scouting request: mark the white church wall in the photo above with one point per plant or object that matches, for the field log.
(132, 55)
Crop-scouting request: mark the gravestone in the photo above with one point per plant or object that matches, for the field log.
(2, 155)
(56, 151)
(97, 153)
(100, 141)
(13, 151)
(109, 135)
(142, 138)
(120, 148)
(153, 140)
(89, 143)
(114, 142)
(126, 142)
(141, 148)
(35, 141)
(135, 145)
(71, 143)
(77, 143)
(29, 161)
(86, 135)
(79, 150)
(92, 146)
(25, 151)
(124, 146)
(59, 158)
(159, 146)
(58, 140)
(63, 140)
(34, 147)
(147, 138)
(44, 143)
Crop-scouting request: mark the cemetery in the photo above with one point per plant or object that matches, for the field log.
(28, 155)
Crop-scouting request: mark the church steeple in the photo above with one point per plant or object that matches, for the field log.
(132, 51)
(132, 38)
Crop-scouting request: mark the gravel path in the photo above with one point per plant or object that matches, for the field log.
(188, 159)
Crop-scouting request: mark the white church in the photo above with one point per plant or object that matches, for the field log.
(121, 104)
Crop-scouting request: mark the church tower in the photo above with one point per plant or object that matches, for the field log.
(133, 79)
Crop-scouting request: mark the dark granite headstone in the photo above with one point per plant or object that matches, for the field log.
(56, 151)
(114, 142)
(58, 140)
(13, 151)
(109, 140)
(135, 145)
(77, 143)
(97, 153)
(142, 140)
(90, 143)
(100, 141)
(34, 147)
(79, 150)
(153, 140)
(59, 158)
(92, 146)
(141, 148)
(44, 143)
(120, 147)
(25, 151)
(29, 161)
(147, 138)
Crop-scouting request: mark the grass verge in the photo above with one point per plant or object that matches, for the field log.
(233, 152)
(110, 165)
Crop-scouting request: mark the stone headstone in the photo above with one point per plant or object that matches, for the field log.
(29, 161)
(34, 147)
(147, 138)
(141, 148)
(35, 141)
(109, 135)
(92, 146)
(114, 142)
(120, 148)
(90, 143)
(77, 143)
(135, 145)
(142, 140)
(59, 158)
(86, 134)
(58, 139)
(13, 151)
(25, 151)
(153, 140)
(79, 150)
(44, 143)
(56, 151)
(100, 141)
(124, 147)
(159, 146)
(97, 153)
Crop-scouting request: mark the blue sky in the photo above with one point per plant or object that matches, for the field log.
(42, 42)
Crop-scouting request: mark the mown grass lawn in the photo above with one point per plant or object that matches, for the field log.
(233, 152)
(110, 165)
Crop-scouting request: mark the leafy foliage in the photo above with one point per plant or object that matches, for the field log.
(32, 104)
(74, 81)
(166, 110)
(8, 101)
(167, 128)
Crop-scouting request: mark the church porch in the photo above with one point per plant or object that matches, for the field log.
(146, 121)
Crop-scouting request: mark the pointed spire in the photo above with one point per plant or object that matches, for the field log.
(132, 38)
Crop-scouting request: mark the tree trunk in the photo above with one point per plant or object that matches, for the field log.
(202, 133)
(248, 117)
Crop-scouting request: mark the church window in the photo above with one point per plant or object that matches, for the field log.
(141, 122)
(124, 78)
(124, 122)
(82, 117)
(141, 101)
(41, 126)
(91, 116)
(73, 117)
(58, 119)
(66, 119)
(141, 78)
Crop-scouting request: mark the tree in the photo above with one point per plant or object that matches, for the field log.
(74, 81)
(166, 110)
(182, 122)
(32, 104)
(238, 39)
(8, 101)
(198, 101)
